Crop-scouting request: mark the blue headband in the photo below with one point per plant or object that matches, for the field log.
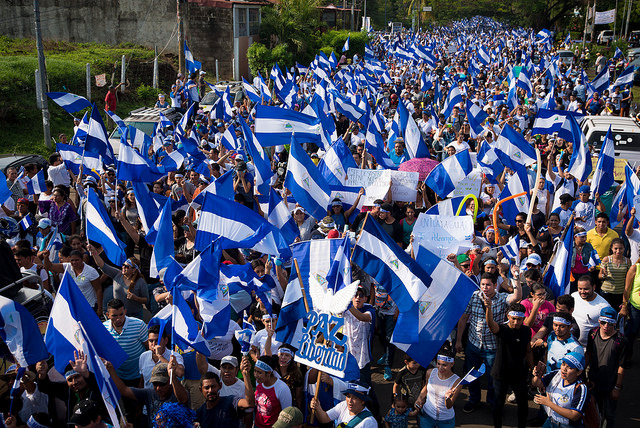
(263, 366)
(516, 314)
(32, 423)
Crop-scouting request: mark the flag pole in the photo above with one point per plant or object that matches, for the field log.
(534, 194)
(495, 212)
(304, 296)
(559, 243)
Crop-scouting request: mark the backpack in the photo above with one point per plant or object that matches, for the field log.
(590, 414)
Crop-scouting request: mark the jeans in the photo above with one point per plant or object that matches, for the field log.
(552, 424)
(427, 421)
(386, 324)
(606, 407)
(474, 358)
(365, 374)
(519, 387)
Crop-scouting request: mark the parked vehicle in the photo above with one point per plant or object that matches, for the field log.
(625, 132)
(605, 37)
(144, 119)
(566, 57)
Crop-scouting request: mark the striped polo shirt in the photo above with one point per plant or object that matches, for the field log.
(134, 335)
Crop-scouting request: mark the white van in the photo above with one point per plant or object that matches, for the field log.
(625, 132)
(565, 57)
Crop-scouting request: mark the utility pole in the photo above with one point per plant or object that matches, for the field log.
(43, 77)
(586, 20)
(626, 28)
(180, 40)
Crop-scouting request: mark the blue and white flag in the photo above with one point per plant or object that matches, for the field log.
(221, 186)
(148, 207)
(306, 183)
(625, 78)
(313, 259)
(346, 44)
(602, 179)
(281, 218)
(5, 193)
(567, 40)
(488, 162)
(251, 92)
(448, 207)
(374, 144)
(71, 156)
(19, 330)
(97, 140)
(132, 166)
(513, 150)
(259, 157)
(475, 116)
(63, 333)
(203, 271)
(192, 64)
(511, 250)
(26, 222)
(379, 256)
(618, 53)
(483, 56)
(415, 145)
(580, 165)
(558, 275)
(473, 375)
(116, 119)
(71, 103)
(516, 183)
(80, 135)
(215, 310)
(163, 245)
(549, 121)
(55, 240)
(336, 162)
(15, 388)
(245, 336)
(186, 332)
(437, 311)
(239, 227)
(443, 178)
(453, 99)
(229, 139)
(274, 126)
(100, 229)
(37, 184)
(599, 83)
(345, 106)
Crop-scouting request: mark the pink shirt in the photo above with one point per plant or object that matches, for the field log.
(545, 309)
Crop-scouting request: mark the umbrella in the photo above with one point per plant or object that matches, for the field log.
(422, 166)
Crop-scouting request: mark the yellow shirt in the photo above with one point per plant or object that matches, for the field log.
(601, 244)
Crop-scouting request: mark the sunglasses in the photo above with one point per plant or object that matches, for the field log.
(465, 265)
(603, 323)
(160, 384)
(519, 221)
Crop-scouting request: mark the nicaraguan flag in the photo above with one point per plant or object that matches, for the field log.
(229, 139)
(600, 82)
(314, 259)
(306, 183)
(26, 222)
(215, 310)
(488, 162)
(97, 138)
(71, 103)
(476, 116)
(437, 311)
(245, 336)
(346, 44)
(185, 328)
(201, 272)
(221, 186)
(71, 156)
(148, 208)
(132, 166)
(251, 92)
(513, 150)
(473, 375)
(19, 330)
(280, 217)
(403, 278)
(580, 165)
(516, 183)
(192, 64)
(100, 229)
(116, 119)
(483, 56)
(567, 40)
(163, 249)
(346, 107)
(239, 227)
(548, 121)
(274, 126)
(416, 147)
(37, 184)
(336, 162)
(259, 158)
(139, 140)
(443, 178)
(453, 99)
(511, 250)
(602, 179)
(5, 193)
(558, 274)
(239, 278)
(80, 135)
(626, 78)
(448, 207)
(63, 332)
(618, 53)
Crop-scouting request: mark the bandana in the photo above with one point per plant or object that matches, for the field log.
(263, 366)
(32, 423)
(285, 351)
(131, 264)
(581, 234)
(445, 359)
(516, 314)
(561, 320)
(607, 320)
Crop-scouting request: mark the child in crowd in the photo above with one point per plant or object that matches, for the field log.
(398, 416)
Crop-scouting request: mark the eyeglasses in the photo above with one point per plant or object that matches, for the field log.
(519, 221)
(603, 323)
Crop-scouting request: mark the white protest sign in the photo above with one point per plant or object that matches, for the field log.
(443, 235)
(319, 354)
(470, 185)
(636, 205)
(403, 187)
(375, 183)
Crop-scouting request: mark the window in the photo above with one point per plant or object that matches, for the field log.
(254, 21)
(241, 22)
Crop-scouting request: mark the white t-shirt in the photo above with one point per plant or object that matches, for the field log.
(340, 414)
(9, 204)
(260, 339)
(235, 390)
(59, 175)
(634, 243)
(221, 346)
(146, 364)
(83, 281)
(587, 314)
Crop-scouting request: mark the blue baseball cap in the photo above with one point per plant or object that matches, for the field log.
(574, 360)
(585, 189)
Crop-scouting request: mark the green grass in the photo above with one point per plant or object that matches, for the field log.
(21, 120)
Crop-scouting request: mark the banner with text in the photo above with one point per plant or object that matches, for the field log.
(606, 17)
(376, 183)
(443, 235)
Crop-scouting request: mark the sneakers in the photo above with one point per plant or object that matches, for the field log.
(382, 359)
(512, 398)
(387, 373)
(469, 407)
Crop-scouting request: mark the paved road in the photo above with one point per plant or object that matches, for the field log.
(628, 407)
